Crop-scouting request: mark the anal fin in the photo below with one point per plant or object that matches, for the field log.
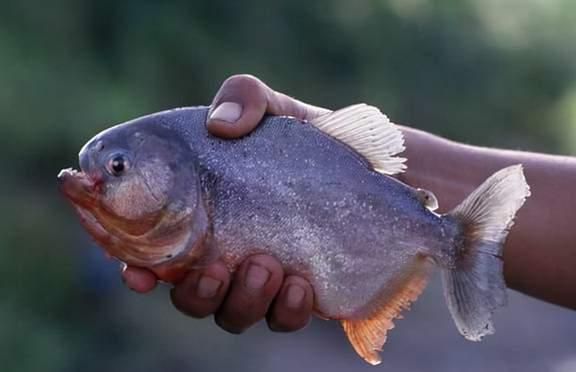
(368, 334)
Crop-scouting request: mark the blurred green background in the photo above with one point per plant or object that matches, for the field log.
(488, 72)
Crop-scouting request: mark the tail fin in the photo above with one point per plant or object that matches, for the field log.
(475, 287)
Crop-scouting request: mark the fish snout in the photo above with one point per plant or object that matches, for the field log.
(77, 186)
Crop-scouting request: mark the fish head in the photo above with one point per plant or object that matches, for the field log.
(137, 193)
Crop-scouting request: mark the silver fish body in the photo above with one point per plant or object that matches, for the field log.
(291, 191)
(364, 240)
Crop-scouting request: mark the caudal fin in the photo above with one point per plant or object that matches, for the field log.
(475, 287)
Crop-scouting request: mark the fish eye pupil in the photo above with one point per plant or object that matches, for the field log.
(118, 165)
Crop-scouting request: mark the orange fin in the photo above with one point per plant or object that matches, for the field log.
(368, 334)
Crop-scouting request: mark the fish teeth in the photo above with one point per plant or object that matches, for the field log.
(69, 172)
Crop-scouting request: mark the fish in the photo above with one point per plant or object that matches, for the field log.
(322, 196)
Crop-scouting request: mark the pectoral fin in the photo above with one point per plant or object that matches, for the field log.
(368, 334)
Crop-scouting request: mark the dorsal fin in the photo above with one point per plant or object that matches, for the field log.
(368, 334)
(369, 132)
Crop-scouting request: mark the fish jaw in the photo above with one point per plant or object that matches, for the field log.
(78, 187)
(80, 190)
(170, 269)
(172, 257)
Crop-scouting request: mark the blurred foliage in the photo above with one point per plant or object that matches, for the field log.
(480, 71)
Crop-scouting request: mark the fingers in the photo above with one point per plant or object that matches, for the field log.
(243, 100)
(259, 289)
(202, 292)
(139, 280)
(256, 283)
(292, 308)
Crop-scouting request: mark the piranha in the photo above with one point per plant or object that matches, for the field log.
(161, 192)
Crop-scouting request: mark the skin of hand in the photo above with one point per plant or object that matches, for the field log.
(539, 256)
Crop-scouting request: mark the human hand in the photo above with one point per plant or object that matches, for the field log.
(259, 288)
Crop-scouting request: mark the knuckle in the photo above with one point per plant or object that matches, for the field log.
(179, 303)
(246, 308)
(188, 306)
(243, 79)
(246, 87)
(288, 323)
(240, 312)
(222, 322)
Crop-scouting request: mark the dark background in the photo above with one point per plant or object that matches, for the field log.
(487, 72)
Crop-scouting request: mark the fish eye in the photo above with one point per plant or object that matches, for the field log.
(118, 165)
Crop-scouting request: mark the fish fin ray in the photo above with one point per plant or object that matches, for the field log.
(368, 334)
(369, 132)
(474, 287)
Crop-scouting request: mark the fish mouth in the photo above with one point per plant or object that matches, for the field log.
(78, 187)
(82, 190)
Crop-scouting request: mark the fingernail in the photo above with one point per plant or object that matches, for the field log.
(294, 296)
(256, 277)
(227, 111)
(208, 287)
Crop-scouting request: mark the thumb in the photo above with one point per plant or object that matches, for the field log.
(243, 100)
